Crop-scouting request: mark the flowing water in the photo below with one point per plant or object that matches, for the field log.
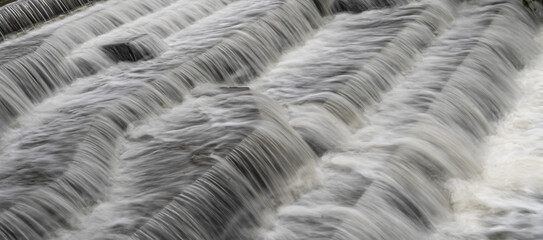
(271, 119)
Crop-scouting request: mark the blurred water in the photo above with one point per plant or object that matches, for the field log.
(505, 200)
(272, 119)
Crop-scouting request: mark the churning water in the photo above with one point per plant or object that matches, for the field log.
(270, 120)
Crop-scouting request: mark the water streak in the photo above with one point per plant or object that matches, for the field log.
(271, 119)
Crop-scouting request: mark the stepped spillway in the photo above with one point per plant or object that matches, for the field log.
(270, 119)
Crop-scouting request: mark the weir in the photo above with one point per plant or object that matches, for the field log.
(243, 119)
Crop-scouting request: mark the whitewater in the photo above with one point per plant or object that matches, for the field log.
(271, 119)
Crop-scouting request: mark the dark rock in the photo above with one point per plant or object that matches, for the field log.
(140, 47)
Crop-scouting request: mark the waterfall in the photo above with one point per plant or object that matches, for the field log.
(506, 195)
(269, 119)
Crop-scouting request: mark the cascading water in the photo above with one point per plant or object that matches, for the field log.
(270, 119)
